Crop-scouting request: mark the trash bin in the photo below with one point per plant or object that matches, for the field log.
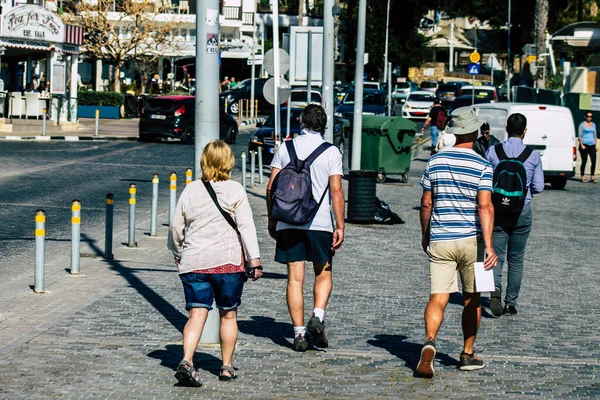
(362, 192)
(386, 146)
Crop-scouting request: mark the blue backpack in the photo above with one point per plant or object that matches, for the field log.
(292, 200)
(510, 182)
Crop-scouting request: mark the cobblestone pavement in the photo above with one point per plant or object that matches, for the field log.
(115, 330)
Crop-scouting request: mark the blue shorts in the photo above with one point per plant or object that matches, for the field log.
(201, 289)
(301, 245)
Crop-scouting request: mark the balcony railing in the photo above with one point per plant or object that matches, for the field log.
(232, 13)
(248, 18)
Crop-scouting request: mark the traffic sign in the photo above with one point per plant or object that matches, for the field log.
(474, 68)
(269, 62)
(529, 49)
(284, 90)
(475, 57)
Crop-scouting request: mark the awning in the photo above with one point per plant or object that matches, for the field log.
(26, 44)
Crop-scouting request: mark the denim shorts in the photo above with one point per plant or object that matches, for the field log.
(201, 289)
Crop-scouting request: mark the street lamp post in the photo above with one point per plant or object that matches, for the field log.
(385, 56)
(508, 57)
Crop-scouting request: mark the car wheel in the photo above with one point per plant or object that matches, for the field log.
(380, 177)
(405, 177)
(558, 183)
(234, 108)
(188, 136)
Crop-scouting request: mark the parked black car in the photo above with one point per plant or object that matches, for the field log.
(173, 117)
(447, 93)
(243, 92)
(264, 136)
(467, 100)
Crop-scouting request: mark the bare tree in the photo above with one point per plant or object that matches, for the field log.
(116, 36)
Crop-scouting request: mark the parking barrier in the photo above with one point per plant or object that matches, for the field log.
(75, 236)
(252, 168)
(172, 195)
(108, 231)
(240, 108)
(97, 122)
(44, 122)
(226, 109)
(255, 109)
(154, 209)
(188, 176)
(132, 201)
(247, 107)
(260, 166)
(40, 238)
(244, 169)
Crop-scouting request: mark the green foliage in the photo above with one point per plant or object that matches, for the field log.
(100, 99)
(555, 82)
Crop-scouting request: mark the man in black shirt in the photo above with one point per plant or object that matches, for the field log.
(485, 141)
(437, 119)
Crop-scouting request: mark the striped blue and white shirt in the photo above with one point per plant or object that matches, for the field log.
(455, 176)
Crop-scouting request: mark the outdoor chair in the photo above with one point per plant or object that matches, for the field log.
(17, 105)
(33, 106)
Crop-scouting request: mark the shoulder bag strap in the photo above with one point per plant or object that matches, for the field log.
(230, 221)
(317, 152)
(500, 152)
(289, 144)
(525, 154)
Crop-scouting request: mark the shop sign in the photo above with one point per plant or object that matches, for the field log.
(33, 22)
(29, 44)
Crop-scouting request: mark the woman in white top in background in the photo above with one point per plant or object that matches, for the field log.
(209, 256)
(445, 140)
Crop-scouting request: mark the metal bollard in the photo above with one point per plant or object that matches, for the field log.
(252, 168)
(188, 176)
(244, 169)
(108, 232)
(97, 122)
(172, 195)
(255, 109)
(75, 235)
(260, 165)
(132, 201)
(225, 106)
(240, 107)
(44, 122)
(154, 212)
(247, 107)
(40, 236)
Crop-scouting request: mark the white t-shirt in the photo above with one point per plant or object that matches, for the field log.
(327, 164)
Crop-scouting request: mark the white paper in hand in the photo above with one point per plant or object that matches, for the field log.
(484, 280)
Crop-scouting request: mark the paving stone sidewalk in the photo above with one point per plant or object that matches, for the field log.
(115, 331)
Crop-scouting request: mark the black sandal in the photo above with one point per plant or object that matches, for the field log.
(232, 373)
(187, 375)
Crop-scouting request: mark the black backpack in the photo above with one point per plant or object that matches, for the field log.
(292, 200)
(510, 182)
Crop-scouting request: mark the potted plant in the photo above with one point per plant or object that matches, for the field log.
(107, 103)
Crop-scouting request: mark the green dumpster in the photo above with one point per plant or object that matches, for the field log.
(386, 146)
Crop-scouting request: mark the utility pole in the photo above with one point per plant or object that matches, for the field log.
(451, 48)
(275, 5)
(358, 86)
(253, 68)
(206, 124)
(328, 66)
(508, 66)
(385, 54)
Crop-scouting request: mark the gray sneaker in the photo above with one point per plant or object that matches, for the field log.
(469, 362)
(301, 343)
(425, 366)
(496, 303)
(317, 329)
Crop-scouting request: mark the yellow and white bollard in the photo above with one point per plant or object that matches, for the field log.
(108, 232)
(40, 238)
(188, 176)
(172, 195)
(75, 235)
(154, 209)
(132, 202)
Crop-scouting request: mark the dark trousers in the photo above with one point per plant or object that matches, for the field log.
(510, 242)
(588, 151)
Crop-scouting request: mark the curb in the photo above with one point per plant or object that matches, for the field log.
(251, 121)
(69, 138)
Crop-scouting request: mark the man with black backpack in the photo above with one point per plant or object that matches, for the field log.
(305, 187)
(518, 175)
(437, 119)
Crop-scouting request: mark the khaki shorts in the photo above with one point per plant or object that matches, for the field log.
(446, 257)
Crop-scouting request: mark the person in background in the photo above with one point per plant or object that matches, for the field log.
(233, 83)
(446, 140)
(588, 146)
(210, 257)
(437, 119)
(485, 141)
(225, 85)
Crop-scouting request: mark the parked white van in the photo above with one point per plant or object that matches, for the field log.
(550, 131)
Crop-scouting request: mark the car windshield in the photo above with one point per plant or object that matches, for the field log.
(243, 85)
(478, 92)
(428, 85)
(447, 88)
(294, 119)
(369, 99)
(301, 97)
(402, 85)
(420, 97)
(162, 105)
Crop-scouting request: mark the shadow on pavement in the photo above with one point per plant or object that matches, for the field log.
(173, 353)
(457, 298)
(407, 351)
(171, 313)
(268, 328)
